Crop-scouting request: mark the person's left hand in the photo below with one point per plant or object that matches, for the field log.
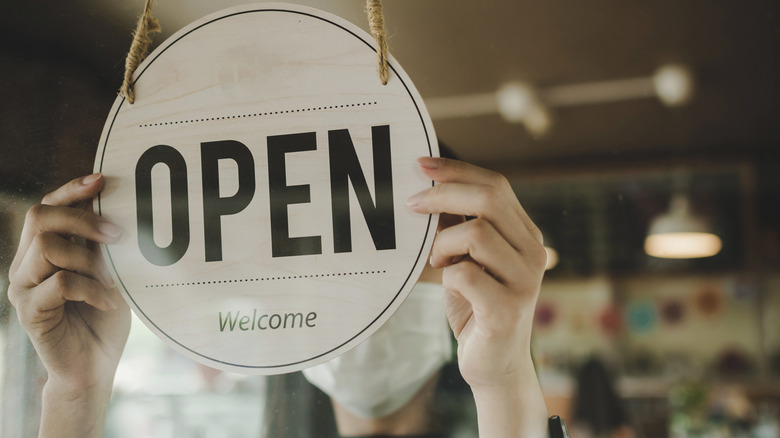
(493, 264)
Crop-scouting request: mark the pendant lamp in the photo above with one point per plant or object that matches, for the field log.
(678, 234)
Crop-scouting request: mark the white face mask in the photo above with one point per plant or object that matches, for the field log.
(383, 373)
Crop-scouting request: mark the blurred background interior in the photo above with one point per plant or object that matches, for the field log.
(616, 121)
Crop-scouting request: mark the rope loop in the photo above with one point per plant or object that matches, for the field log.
(376, 22)
(139, 48)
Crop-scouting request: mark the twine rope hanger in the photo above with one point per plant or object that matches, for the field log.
(376, 23)
(139, 48)
(147, 24)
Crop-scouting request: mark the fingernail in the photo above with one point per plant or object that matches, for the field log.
(414, 200)
(89, 179)
(428, 162)
(108, 229)
(108, 280)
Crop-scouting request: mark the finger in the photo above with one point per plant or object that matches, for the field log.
(479, 240)
(69, 221)
(446, 221)
(480, 201)
(58, 289)
(75, 191)
(65, 221)
(114, 295)
(493, 306)
(447, 170)
(496, 186)
(50, 253)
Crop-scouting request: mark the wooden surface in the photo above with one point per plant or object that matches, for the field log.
(245, 74)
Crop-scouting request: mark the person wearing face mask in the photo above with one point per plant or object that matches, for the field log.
(386, 384)
(492, 271)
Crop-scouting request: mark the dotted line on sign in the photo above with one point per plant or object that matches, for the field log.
(269, 113)
(250, 280)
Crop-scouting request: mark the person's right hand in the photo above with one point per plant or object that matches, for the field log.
(63, 293)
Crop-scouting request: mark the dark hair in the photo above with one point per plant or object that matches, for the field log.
(596, 403)
(294, 408)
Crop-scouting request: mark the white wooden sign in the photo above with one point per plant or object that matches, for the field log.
(260, 180)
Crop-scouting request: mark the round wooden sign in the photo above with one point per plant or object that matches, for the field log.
(260, 180)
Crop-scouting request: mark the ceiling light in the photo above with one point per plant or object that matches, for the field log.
(673, 84)
(518, 103)
(538, 121)
(680, 235)
(514, 101)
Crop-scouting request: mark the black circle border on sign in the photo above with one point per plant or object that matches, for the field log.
(427, 228)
